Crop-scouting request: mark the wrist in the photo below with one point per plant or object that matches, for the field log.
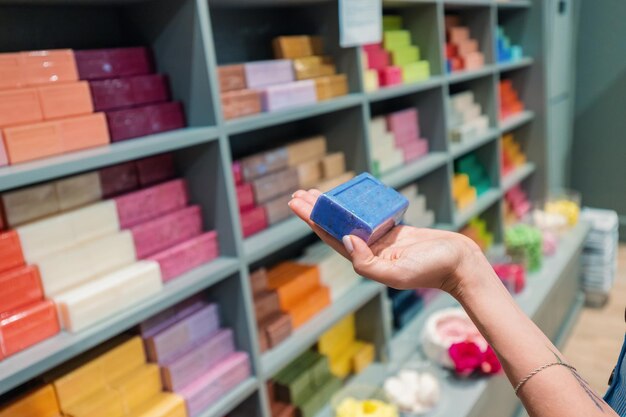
(472, 272)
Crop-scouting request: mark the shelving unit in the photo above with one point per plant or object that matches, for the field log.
(190, 39)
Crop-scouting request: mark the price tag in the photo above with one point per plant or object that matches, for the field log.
(360, 22)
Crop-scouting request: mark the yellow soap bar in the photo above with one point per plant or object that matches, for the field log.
(41, 402)
(123, 359)
(370, 80)
(79, 384)
(105, 403)
(139, 386)
(460, 183)
(363, 356)
(342, 334)
(162, 405)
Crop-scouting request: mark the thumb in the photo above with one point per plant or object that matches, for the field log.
(365, 262)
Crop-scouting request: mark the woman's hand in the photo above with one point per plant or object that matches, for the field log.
(406, 257)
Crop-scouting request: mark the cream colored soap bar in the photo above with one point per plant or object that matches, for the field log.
(28, 204)
(305, 150)
(65, 230)
(138, 387)
(79, 190)
(333, 165)
(309, 173)
(109, 295)
(65, 269)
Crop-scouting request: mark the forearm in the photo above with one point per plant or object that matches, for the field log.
(522, 347)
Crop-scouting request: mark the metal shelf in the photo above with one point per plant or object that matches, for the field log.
(521, 63)
(274, 238)
(483, 202)
(415, 170)
(232, 399)
(460, 76)
(517, 176)
(460, 149)
(515, 121)
(385, 93)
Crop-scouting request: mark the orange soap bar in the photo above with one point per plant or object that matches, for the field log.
(19, 287)
(41, 402)
(43, 67)
(309, 306)
(19, 106)
(65, 100)
(10, 251)
(27, 326)
(293, 282)
(10, 73)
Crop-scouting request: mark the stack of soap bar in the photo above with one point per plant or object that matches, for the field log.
(512, 155)
(524, 243)
(467, 118)
(517, 205)
(363, 206)
(345, 353)
(476, 176)
(124, 85)
(477, 230)
(273, 325)
(395, 139)
(38, 402)
(463, 193)
(336, 273)
(513, 276)
(417, 214)
(510, 103)
(405, 305)
(506, 51)
(197, 358)
(462, 51)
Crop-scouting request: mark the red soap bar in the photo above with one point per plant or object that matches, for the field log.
(27, 326)
(237, 173)
(155, 169)
(118, 179)
(457, 63)
(147, 204)
(188, 255)
(390, 76)
(253, 221)
(96, 64)
(378, 59)
(245, 196)
(145, 120)
(19, 287)
(10, 251)
(130, 91)
(373, 47)
(451, 50)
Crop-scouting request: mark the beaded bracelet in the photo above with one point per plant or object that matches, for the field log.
(541, 368)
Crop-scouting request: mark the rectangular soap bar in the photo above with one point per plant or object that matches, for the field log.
(285, 96)
(273, 185)
(122, 359)
(19, 287)
(138, 386)
(292, 46)
(145, 120)
(4, 158)
(277, 327)
(11, 250)
(264, 73)
(363, 206)
(199, 360)
(306, 149)
(333, 165)
(40, 402)
(331, 86)
(44, 67)
(26, 326)
(65, 100)
(245, 196)
(149, 203)
(277, 210)
(258, 165)
(159, 234)
(329, 184)
(79, 190)
(96, 64)
(309, 173)
(266, 303)
(118, 179)
(313, 67)
(111, 294)
(31, 203)
(170, 316)
(19, 107)
(258, 281)
(187, 255)
(292, 282)
(124, 92)
(162, 405)
(253, 221)
(231, 77)
(308, 307)
(155, 169)
(10, 71)
(105, 403)
(240, 103)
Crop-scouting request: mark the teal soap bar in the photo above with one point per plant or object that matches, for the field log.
(363, 206)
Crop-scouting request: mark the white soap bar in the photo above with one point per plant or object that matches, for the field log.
(480, 124)
(462, 100)
(65, 230)
(112, 293)
(378, 126)
(63, 270)
(472, 112)
(392, 161)
(79, 190)
(409, 192)
(382, 144)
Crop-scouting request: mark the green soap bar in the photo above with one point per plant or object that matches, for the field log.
(296, 366)
(481, 189)
(321, 397)
(393, 39)
(416, 71)
(404, 55)
(320, 371)
(376, 168)
(296, 391)
(392, 22)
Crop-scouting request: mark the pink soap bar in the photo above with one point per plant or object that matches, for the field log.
(145, 120)
(283, 96)
(415, 150)
(253, 221)
(4, 160)
(159, 234)
(198, 361)
(406, 136)
(220, 379)
(474, 60)
(390, 76)
(96, 64)
(402, 121)
(149, 203)
(188, 255)
(245, 196)
(118, 179)
(155, 169)
(118, 93)
(237, 173)
(171, 316)
(178, 339)
(378, 59)
(373, 47)
(264, 73)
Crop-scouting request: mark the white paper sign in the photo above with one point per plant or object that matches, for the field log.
(360, 22)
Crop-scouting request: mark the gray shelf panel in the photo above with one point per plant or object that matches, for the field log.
(42, 357)
(513, 122)
(57, 166)
(482, 203)
(459, 149)
(470, 3)
(262, 120)
(232, 399)
(415, 170)
(513, 3)
(385, 93)
(460, 76)
(274, 238)
(517, 176)
(275, 359)
(509, 66)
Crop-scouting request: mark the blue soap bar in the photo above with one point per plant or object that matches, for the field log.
(363, 206)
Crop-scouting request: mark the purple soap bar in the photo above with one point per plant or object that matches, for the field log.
(264, 73)
(118, 179)
(283, 96)
(159, 234)
(155, 169)
(363, 206)
(149, 203)
(170, 316)
(188, 255)
(220, 379)
(169, 344)
(146, 120)
(198, 361)
(96, 64)
(118, 93)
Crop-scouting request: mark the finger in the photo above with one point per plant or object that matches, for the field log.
(365, 262)
(302, 208)
(315, 192)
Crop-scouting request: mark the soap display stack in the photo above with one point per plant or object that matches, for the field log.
(470, 181)
(346, 355)
(476, 229)
(197, 357)
(462, 51)
(466, 117)
(265, 181)
(510, 103)
(301, 74)
(395, 139)
(506, 51)
(396, 60)
(524, 244)
(512, 155)
(417, 214)
(405, 304)
(512, 275)
(516, 205)
(273, 324)
(303, 387)
(124, 85)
